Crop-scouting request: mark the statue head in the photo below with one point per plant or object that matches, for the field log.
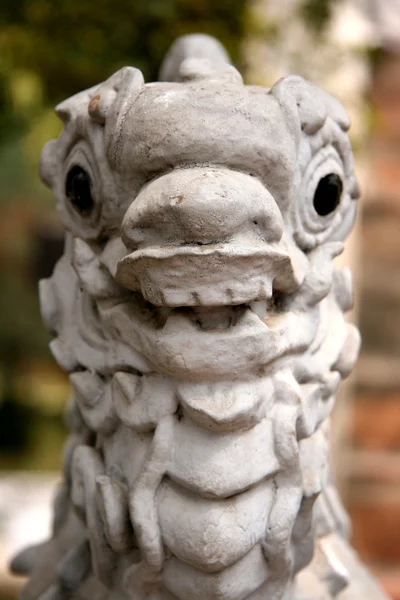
(200, 316)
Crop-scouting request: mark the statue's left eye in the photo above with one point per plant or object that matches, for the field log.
(78, 188)
(328, 194)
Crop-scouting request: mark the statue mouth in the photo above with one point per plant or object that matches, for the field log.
(178, 337)
(196, 310)
(219, 274)
(202, 342)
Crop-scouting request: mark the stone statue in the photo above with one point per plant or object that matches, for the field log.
(199, 315)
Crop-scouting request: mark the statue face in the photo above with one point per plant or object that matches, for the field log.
(125, 134)
(197, 299)
(212, 201)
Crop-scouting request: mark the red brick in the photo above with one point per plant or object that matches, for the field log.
(384, 174)
(376, 530)
(377, 421)
(390, 581)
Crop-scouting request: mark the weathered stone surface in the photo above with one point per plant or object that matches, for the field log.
(200, 317)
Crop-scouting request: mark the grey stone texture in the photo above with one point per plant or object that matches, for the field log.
(200, 317)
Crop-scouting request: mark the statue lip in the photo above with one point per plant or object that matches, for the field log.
(181, 347)
(217, 274)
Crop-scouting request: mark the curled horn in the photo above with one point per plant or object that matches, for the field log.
(114, 92)
(314, 105)
(68, 109)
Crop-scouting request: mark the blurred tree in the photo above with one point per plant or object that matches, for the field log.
(49, 50)
(73, 44)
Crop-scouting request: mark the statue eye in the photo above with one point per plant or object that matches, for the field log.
(328, 193)
(78, 188)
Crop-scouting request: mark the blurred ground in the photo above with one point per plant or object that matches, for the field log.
(25, 519)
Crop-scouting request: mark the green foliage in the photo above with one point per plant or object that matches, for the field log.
(19, 319)
(316, 13)
(73, 44)
(49, 50)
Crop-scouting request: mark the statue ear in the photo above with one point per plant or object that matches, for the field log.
(114, 94)
(313, 105)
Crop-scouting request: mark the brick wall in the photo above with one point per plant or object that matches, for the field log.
(374, 479)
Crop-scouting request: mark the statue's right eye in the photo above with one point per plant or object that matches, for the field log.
(328, 194)
(78, 189)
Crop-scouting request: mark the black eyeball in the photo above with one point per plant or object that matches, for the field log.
(328, 193)
(78, 188)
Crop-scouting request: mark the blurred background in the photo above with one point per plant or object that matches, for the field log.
(51, 49)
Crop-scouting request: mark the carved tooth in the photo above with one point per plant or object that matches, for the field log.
(126, 276)
(63, 355)
(74, 567)
(138, 399)
(343, 288)
(113, 252)
(95, 400)
(82, 254)
(88, 386)
(96, 280)
(112, 501)
(316, 401)
(349, 353)
(49, 306)
(318, 280)
(259, 307)
(25, 561)
(125, 387)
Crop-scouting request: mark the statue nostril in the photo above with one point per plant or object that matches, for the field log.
(133, 237)
(133, 231)
(267, 227)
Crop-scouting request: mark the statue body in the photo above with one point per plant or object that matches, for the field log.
(200, 318)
